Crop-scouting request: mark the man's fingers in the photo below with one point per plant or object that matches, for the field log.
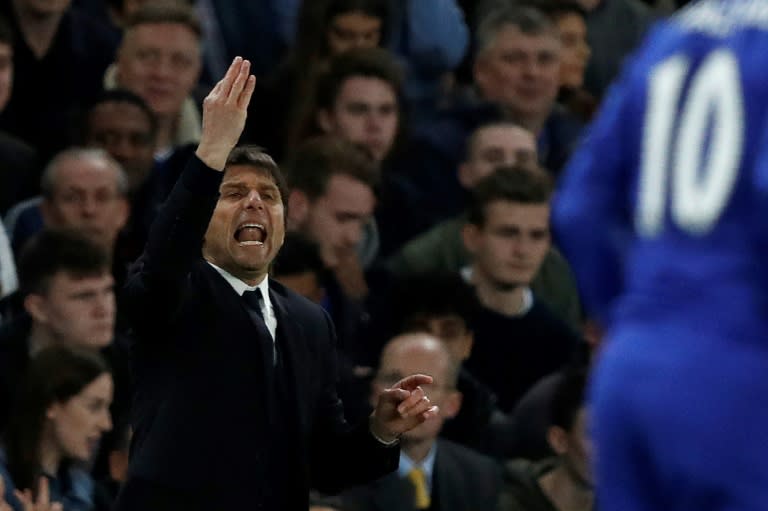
(416, 396)
(57, 507)
(229, 77)
(239, 83)
(43, 496)
(416, 408)
(413, 381)
(25, 498)
(245, 96)
(395, 396)
(431, 413)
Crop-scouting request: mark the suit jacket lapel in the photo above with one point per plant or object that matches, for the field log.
(450, 495)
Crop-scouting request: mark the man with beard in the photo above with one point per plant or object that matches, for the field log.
(518, 339)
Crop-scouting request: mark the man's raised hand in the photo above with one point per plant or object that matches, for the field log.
(224, 112)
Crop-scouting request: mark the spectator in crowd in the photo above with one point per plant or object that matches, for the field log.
(516, 77)
(326, 28)
(200, 302)
(298, 266)
(358, 99)
(570, 18)
(491, 146)
(67, 295)
(441, 305)
(614, 29)
(159, 59)
(119, 122)
(331, 202)
(430, 38)
(434, 473)
(122, 124)
(53, 39)
(518, 339)
(562, 482)
(19, 172)
(56, 427)
(83, 189)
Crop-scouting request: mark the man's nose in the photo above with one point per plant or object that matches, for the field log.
(254, 199)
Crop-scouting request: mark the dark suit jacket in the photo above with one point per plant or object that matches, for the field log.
(463, 480)
(202, 426)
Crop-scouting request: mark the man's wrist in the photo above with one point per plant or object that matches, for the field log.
(214, 157)
(384, 438)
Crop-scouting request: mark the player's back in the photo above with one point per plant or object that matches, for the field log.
(681, 141)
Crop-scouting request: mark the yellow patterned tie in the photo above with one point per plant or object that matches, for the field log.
(419, 480)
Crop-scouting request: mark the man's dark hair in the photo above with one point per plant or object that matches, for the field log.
(425, 296)
(298, 255)
(568, 397)
(517, 183)
(361, 62)
(526, 18)
(6, 34)
(318, 159)
(166, 11)
(556, 9)
(256, 157)
(52, 251)
(115, 96)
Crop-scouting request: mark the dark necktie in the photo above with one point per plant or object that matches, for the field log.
(253, 301)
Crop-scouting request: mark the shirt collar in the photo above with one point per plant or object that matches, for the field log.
(428, 465)
(525, 306)
(241, 287)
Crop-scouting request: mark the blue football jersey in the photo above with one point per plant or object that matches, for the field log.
(662, 209)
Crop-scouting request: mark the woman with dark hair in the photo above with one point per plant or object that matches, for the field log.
(58, 422)
(325, 28)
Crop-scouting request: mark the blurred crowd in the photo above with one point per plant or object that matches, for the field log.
(422, 142)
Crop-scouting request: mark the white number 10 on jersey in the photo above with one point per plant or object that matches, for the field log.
(702, 174)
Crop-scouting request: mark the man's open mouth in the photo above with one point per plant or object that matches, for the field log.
(251, 234)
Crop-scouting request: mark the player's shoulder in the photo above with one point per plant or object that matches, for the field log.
(705, 24)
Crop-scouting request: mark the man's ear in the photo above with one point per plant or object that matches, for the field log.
(451, 405)
(47, 212)
(479, 71)
(298, 209)
(34, 304)
(467, 342)
(464, 175)
(557, 439)
(324, 120)
(122, 214)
